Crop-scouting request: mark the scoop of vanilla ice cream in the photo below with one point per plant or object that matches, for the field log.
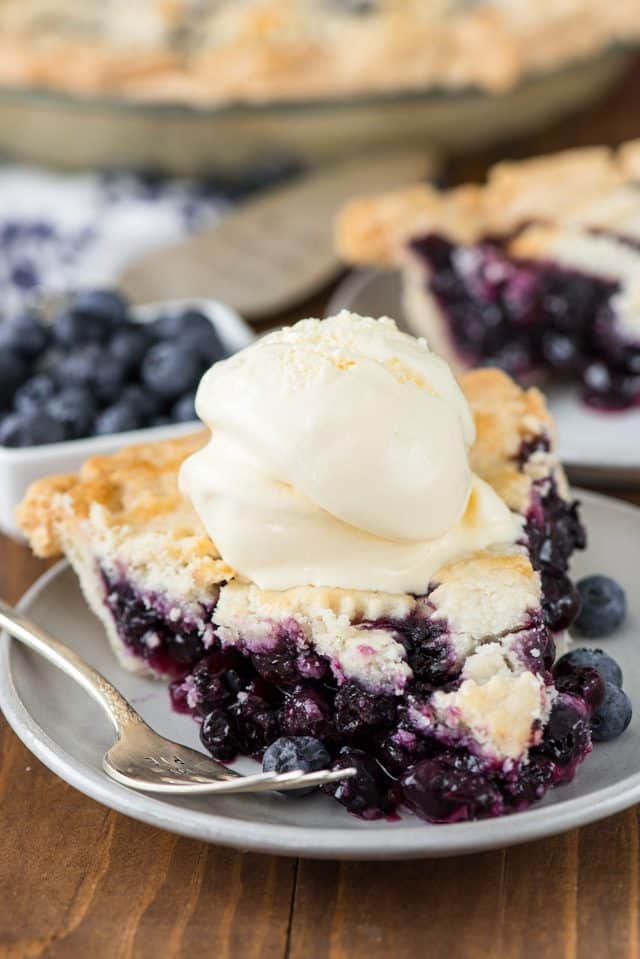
(339, 457)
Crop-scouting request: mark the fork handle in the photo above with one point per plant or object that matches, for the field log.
(120, 712)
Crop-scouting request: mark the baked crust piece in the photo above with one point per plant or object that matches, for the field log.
(584, 186)
(256, 50)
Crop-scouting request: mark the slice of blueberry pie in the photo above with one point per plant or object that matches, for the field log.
(389, 574)
(537, 271)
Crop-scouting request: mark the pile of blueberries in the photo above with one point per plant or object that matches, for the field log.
(591, 674)
(94, 370)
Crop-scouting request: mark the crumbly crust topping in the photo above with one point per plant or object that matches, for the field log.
(507, 416)
(580, 186)
(253, 50)
(130, 507)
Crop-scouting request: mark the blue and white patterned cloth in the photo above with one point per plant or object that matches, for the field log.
(62, 232)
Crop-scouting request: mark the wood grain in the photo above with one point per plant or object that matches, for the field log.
(78, 881)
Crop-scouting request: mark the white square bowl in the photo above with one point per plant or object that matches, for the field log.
(20, 467)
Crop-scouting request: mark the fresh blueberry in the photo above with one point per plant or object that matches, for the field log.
(129, 345)
(193, 331)
(290, 753)
(108, 305)
(148, 404)
(25, 335)
(198, 333)
(13, 373)
(592, 658)
(30, 429)
(161, 420)
(612, 716)
(604, 606)
(35, 393)
(118, 418)
(169, 370)
(74, 408)
(77, 367)
(184, 409)
(108, 378)
(72, 329)
(165, 327)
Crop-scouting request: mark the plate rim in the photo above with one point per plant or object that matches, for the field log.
(356, 280)
(417, 841)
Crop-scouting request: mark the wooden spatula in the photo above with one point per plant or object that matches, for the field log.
(275, 250)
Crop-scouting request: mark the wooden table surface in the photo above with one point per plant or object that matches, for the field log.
(78, 881)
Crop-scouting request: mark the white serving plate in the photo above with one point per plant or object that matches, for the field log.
(69, 733)
(598, 448)
(20, 467)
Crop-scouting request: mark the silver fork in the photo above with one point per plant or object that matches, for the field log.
(140, 757)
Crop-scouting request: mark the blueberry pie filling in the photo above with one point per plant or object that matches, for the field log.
(536, 271)
(533, 316)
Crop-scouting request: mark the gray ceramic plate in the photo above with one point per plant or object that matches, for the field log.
(596, 448)
(64, 728)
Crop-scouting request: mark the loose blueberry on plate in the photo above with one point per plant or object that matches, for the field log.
(612, 716)
(590, 658)
(604, 606)
(291, 753)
